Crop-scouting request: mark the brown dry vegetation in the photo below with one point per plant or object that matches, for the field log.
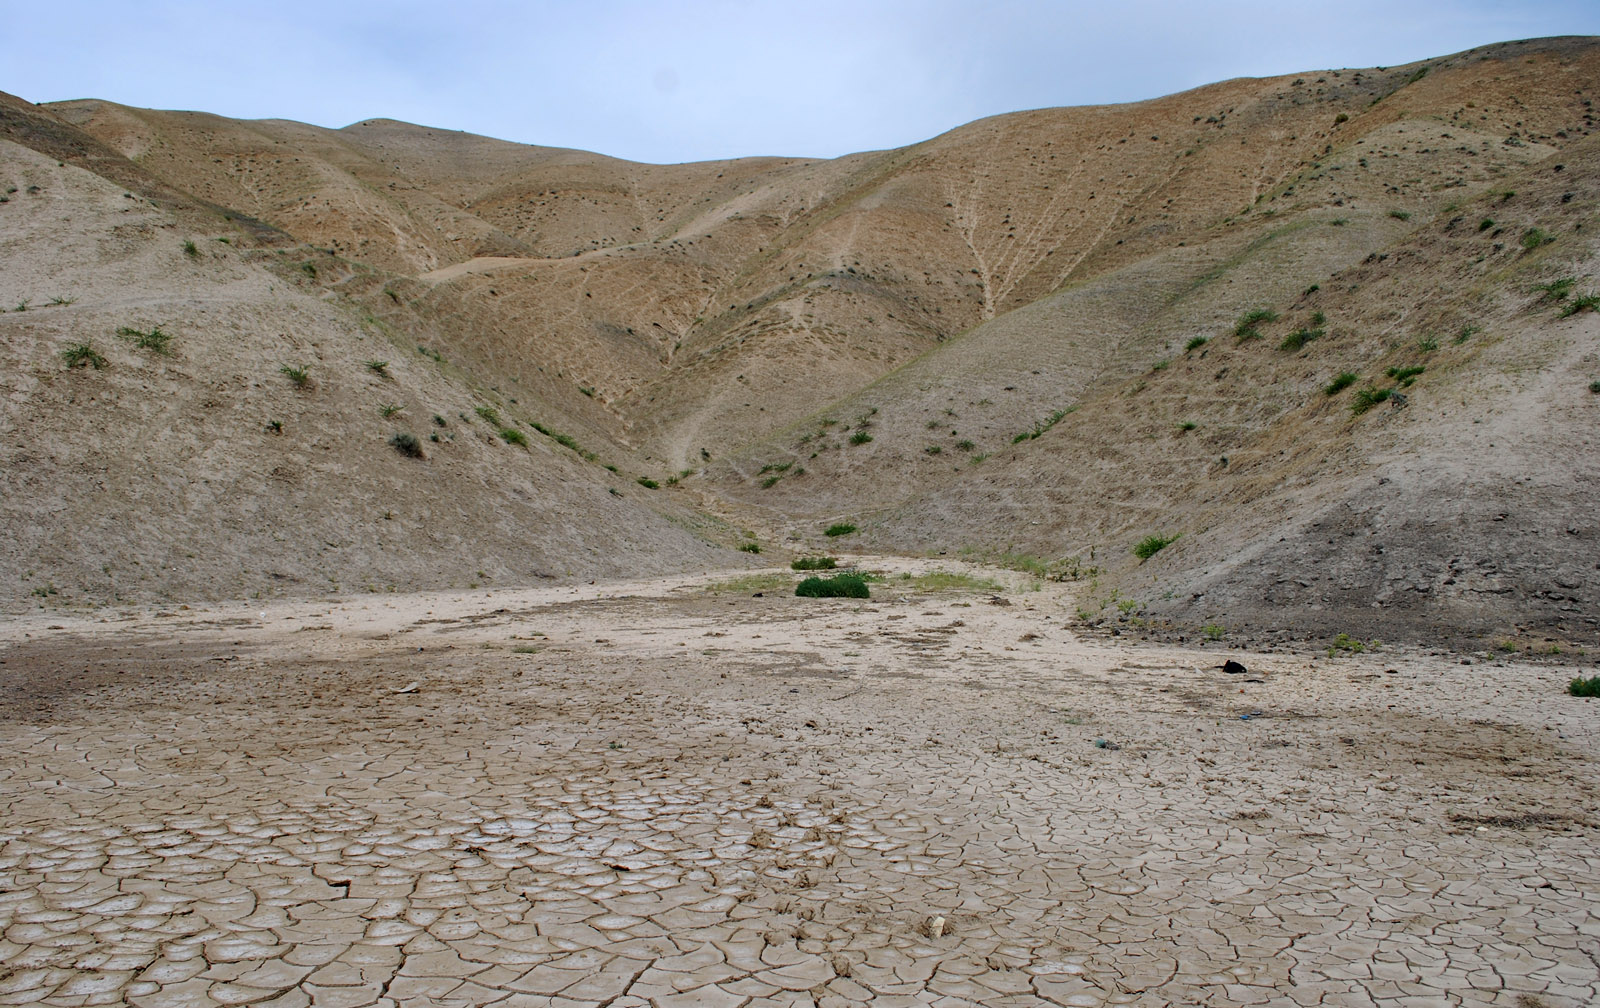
(1037, 272)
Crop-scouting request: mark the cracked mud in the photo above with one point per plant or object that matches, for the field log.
(651, 794)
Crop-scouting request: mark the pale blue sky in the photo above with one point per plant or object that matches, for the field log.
(676, 81)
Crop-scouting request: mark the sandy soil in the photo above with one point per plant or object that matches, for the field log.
(655, 793)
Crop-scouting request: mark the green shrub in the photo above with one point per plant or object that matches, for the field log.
(155, 340)
(510, 435)
(860, 437)
(1367, 398)
(1340, 382)
(1557, 289)
(1150, 545)
(933, 449)
(648, 483)
(1583, 302)
(777, 467)
(1250, 321)
(1535, 237)
(82, 355)
(1485, 224)
(1195, 343)
(750, 547)
(406, 443)
(1345, 642)
(378, 367)
(1399, 215)
(1427, 344)
(1299, 338)
(1589, 687)
(1594, 387)
(1405, 375)
(814, 563)
(388, 410)
(770, 482)
(490, 415)
(839, 586)
(1188, 425)
(841, 529)
(190, 250)
(300, 374)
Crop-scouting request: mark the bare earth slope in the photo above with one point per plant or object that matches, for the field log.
(192, 466)
(868, 338)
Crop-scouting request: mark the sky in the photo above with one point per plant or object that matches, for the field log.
(688, 80)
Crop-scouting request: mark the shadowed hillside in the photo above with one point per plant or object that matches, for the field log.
(1030, 336)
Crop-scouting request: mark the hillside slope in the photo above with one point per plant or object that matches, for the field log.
(1029, 336)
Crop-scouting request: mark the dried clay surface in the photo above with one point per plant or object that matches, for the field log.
(679, 793)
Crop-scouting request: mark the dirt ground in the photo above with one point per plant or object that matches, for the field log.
(658, 793)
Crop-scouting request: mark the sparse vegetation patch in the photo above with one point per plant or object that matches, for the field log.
(154, 340)
(1150, 545)
(82, 355)
(838, 586)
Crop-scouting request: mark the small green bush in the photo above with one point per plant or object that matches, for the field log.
(1557, 289)
(860, 437)
(1535, 237)
(1367, 398)
(1594, 387)
(300, 374)
(388, 410)
(1583, 302)
(510, 435)
(1340, 382)
(489, 414)
(406, 443)
(839, 586)
(1485, 224)
(82, 355)
(1589, 687)
(814, 563)
(155, 340)
(841, 529)
(1248, 324)
(1188, 425)
(750, 547)
(1150, 545)
(190, 250)
(1299, 338)
(648, 483)
(1400, 215)
(1195, 343)
(378, 367)
(1405, 375)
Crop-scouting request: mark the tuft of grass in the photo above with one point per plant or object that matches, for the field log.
(841, 529)
(933, 449)
(1466, 333)
(770, 482)
(82, 355)
(1405, 375)
(648, 483)
(1299, 338)
(510, 435)
(300, 374)
(378, 367)
(1427, 344)
(587, 390)
(814, 563)
(1594, 387)
(1213, 631)
(191, 250)
(1150, 545)
(838, 586)
(388, 410)
(750, 547)
(1558, 288)
(155, 340)
(1347, 643)
(1195, 343)
(59, 300)
(1400, 215)
(1367, 398)
(1188, 425)
(1583, 302)
(1535, 237)
(1589, 687)
(407, 444)
(1340, 382)
(1486, 224)
(1248, 326)
(860, 437)
(490, 415)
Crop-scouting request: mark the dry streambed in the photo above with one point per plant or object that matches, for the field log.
(655, 793)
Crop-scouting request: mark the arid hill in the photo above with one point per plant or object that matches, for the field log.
(1030, 337)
